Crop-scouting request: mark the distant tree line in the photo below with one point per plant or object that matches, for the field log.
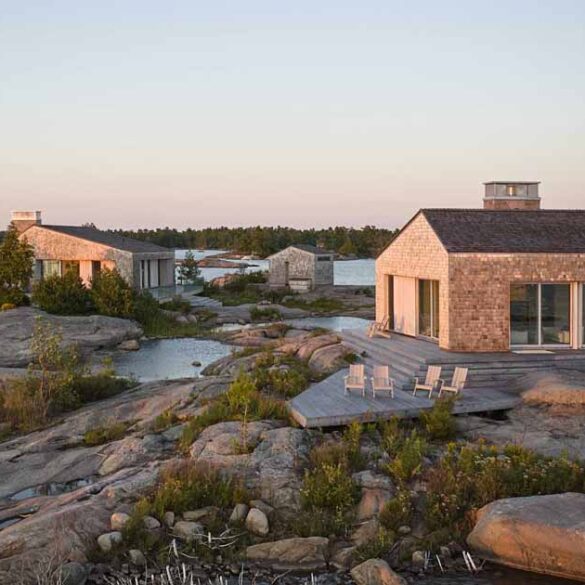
(366, 242)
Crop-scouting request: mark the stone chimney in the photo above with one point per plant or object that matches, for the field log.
(22, 220)
(503, 195)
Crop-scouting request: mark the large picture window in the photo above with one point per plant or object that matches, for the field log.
(540, 314)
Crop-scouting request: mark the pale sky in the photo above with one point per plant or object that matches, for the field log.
(145, 113)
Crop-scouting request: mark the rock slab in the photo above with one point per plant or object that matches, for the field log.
(376, 572)
(290, 554)
(542, 534)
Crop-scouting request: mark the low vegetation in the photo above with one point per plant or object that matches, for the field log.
(470, 476)
(262, 315)
(106, 433)
(320, 305)
(56, 382)
(329, 494)
(242, 402)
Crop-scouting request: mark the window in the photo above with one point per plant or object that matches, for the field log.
(428, 308)
(50, 268)
(540, 314)
(323, 258)
(70, 266)
(511, 190)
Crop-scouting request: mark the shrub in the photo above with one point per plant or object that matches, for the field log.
(269, 314)
(471, 476)
(241, 402)
(329, 493)
(62, 295)
(190, 485)
(376, 548)
(352, 438)
(398, 511)
(284, 375)
(112, 295)
(164, 421)
(438, 422)
(408, 459)
(320, 305)
(177, 304)
(392, 435)
(106, 433)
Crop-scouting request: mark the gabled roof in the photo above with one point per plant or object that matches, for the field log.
(110, 239)
(552, 231)
(306, 248)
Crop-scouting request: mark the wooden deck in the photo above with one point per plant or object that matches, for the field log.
(326, 404)
(493, 382)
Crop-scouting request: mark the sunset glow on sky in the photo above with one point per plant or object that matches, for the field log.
(305, 113)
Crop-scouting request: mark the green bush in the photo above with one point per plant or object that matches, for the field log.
(242, 402)
(438, 422)
(112, 295)
(106, 433)
(398, 511)
(16, 268)
(258, 314)
(177, 304)
(472, 476)
(164, 421)
(320, 305)
(376, 548)
(408, 459)
(62, 295)
(190, 485)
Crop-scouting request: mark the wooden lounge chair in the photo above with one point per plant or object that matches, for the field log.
(356, 379)
(431, 381)
(381, 381)
(380, 328)
(457, 384)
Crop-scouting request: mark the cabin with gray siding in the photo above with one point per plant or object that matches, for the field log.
(301, 267)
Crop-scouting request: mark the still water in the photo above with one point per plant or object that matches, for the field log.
(346, 272)
(169, 359)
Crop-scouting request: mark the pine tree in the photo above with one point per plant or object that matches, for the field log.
(16, 268)
(189, 271)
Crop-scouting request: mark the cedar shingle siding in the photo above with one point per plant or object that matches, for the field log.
(476, 255)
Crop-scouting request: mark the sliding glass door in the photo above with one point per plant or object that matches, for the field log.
(428, 308)
(540, 314)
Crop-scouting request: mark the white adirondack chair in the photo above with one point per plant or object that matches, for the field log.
(381, 381)
(356, 379)
(431, 381)
(380, 328)
(457, 384)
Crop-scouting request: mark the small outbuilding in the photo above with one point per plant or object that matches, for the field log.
(301, 267)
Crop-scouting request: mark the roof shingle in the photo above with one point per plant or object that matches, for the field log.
(512, 231)
(110, 239)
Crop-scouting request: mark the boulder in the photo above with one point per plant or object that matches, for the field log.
(342, 558)
(119, 520)
(187, 530)
(264, 507)
(88, 333)
(137, 558)
(329, 359)
(291, 554)
(273, 469)
(74, 573)
(109, 540)
(150, 523)
(202, 515)
(371, 503)
(376, 572)
(129, 345)
(239, 513)
(257, 522)
(366, 532)
(169, 519)
(542, 534)
(312, 344)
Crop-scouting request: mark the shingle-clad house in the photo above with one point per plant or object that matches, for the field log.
(301, 267)
(87, 250)
(508, 276)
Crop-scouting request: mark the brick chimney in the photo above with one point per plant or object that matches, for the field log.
(22, 220)
(503, 195)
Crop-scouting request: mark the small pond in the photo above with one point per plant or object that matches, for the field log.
(333, 323)
(160, 359)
